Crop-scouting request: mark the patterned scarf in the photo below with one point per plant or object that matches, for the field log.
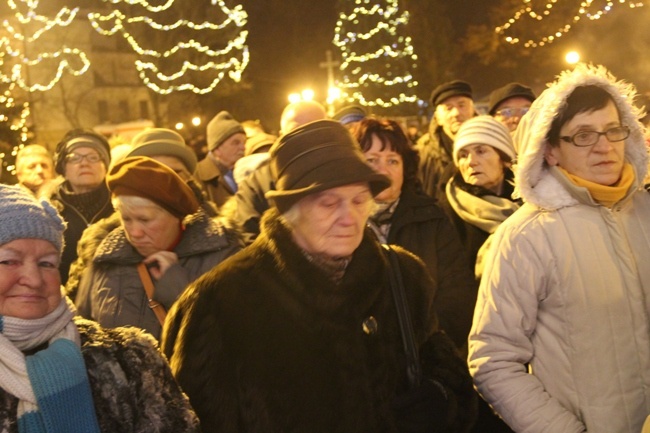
(52, 384)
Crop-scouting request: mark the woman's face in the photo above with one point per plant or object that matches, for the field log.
(332, 222)
(149, 228)
(389, 163)
(601, 163)
(481, 165)
(30, 285)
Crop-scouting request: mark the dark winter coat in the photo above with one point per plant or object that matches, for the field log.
(212, 180)
(247, 206)
(132, 386)
(421, 227)
(111, 292)
(436, 165)
(266, 342)
(76, 224)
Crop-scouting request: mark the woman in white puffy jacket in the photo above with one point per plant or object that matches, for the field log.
(561, 334)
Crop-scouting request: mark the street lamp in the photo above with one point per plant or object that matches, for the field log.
(572, 57)
(305, 95)
(179, 126)
(196, 121)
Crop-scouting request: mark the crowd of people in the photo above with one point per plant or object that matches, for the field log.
(346, 275)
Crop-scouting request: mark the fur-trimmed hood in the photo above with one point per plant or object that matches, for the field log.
(534, 184)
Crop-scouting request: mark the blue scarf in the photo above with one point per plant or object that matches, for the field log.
(52, 384)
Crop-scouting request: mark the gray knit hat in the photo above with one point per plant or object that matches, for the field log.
(484, 130)
(24, 217)
(221, 127)
(160, 141)
(315, 157)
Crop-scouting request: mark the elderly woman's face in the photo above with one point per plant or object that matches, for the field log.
(149, 228)
(332, 222)
(481, 165)
(601, 163)
(389, 163)
(30, 285)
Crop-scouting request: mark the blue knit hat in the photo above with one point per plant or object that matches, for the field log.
(24, 217)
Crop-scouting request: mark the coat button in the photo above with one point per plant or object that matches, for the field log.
(370, 325)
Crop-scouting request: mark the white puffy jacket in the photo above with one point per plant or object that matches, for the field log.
(566, 290)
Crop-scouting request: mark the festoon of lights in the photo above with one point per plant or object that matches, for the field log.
(231, 59)
(586, 9)
(17, 125)
(28, 28)
(390, 21)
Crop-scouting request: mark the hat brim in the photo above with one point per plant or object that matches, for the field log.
(284, 200)
(185, 154)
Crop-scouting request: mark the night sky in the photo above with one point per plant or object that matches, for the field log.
(288, 40)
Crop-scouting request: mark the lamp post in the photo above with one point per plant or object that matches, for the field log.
(572, 57)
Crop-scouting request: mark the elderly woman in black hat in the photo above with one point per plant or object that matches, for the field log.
(163, 243)
(59, 372)
(299, 331)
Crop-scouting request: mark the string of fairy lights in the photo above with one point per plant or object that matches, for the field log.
(231, 59)
(389, 24)
(28, 27)
(587, 9)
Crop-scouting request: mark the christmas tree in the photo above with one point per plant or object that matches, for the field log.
(377, 55)
(14, 132)
(32, 54)
(180, 45)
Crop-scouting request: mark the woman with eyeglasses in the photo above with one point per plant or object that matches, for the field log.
(82, 198)
(561, 333)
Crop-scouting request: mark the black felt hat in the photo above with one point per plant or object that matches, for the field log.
(508, 91)
(316, 157)
(449, 89)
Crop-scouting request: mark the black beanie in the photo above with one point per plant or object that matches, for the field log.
(221, 127)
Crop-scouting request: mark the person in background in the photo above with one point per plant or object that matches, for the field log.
(479, 196)
(561, 333)
(509, 103)
(407, 217)
(82, 158)
(294, 333)
(34, 167)
(453, 104)
(226, 141)
(164, 232)
(62, 373)
(245, 209)
(349, 116)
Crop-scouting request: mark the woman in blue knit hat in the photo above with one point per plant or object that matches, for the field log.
(61, 373)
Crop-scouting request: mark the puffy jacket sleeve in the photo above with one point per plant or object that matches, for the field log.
(517, 272)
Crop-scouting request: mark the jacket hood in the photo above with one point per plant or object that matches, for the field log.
(533, 182)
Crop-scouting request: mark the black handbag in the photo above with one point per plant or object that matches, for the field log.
(423, 407)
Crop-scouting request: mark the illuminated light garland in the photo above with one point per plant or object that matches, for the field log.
(584, 10)
(235, 54)
(16, 125)
(64, 55)
(389, 23)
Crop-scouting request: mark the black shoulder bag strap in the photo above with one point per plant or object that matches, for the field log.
(413, 369)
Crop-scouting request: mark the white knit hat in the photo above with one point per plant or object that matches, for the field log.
(484, 130)
(23, 217)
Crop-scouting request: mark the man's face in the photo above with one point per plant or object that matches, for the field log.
(34, 170)
(510, 111)
(231, 150)
(452, 112)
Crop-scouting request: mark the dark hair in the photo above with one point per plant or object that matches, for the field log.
(583, 99)
(391, 134)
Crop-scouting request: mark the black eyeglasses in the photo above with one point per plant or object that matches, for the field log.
(589, 138)
(512, 112)
(75, 158)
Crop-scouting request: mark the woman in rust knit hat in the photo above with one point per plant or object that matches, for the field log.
(164, 233)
